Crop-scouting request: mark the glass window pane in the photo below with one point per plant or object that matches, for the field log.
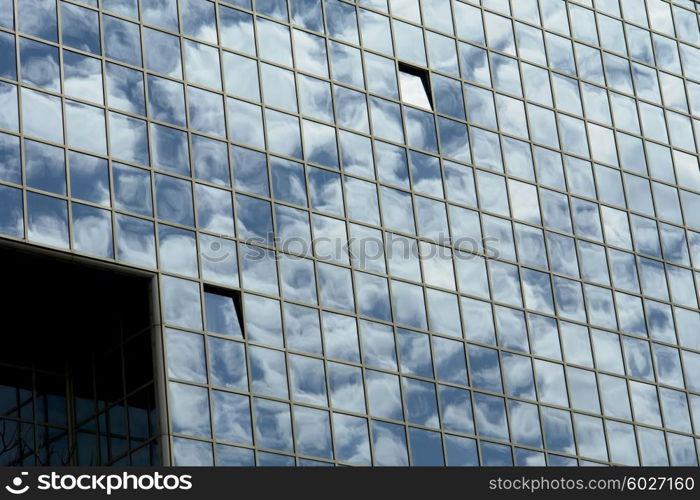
(273, 426)
(485, 370)
(386, 120)
(384, 395)
(389, 444)
(198, 19)
(551, 383)
(377, 344)
(232, 417)
(346, 60)
(162, 53)
(583, 390)
(181, 302)
(44, 167)
(444, 313)
(80, 28)
(85, 127)
(227, 364)
(274, 42)
(241, 76)
(186, 356)
(352, 441)
(218, 260)
(189, 407)
(236, 30)
(8, 66)
(426, 448)
(128, 138)
(491, 416)
(39, 64)
(258, 268)
(456, 409)
(245, 123)
(263, 320)
(206, 112)
(525, 423)
(303, 328)
(162, 13)
(47, 220)
(336, 287)
(298, 279)
(310, 50)
(214, 209)
(517, 372)
(544, 337)
(253, 218)
(12, 217)
(82, 77)
(283, 133)
(126, 8)
(41, 115)
(557, 430)
(408, 304)
(192, 453)
(308, 380)
(373, 296)
(135, 241)
(166, 101)
(174, 200)
(268, 372)
(38, 18)
(313, 432)
(346, 387)
(92, 231)
(122, 40)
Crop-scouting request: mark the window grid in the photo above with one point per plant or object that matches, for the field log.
(475, 166)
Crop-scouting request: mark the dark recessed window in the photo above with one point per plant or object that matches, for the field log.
(77, 379)
(415, 86)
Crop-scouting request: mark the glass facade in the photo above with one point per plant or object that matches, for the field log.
(390, 232)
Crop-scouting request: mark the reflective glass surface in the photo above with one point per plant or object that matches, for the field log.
(425, 232)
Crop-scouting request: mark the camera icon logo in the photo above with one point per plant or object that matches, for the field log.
(16, 488)
(215, 252)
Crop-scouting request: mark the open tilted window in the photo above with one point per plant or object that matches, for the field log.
(415, 86)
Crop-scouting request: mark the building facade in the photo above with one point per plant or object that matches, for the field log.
(390, 232)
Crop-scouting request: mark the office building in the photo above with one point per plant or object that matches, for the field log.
(324, 232)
